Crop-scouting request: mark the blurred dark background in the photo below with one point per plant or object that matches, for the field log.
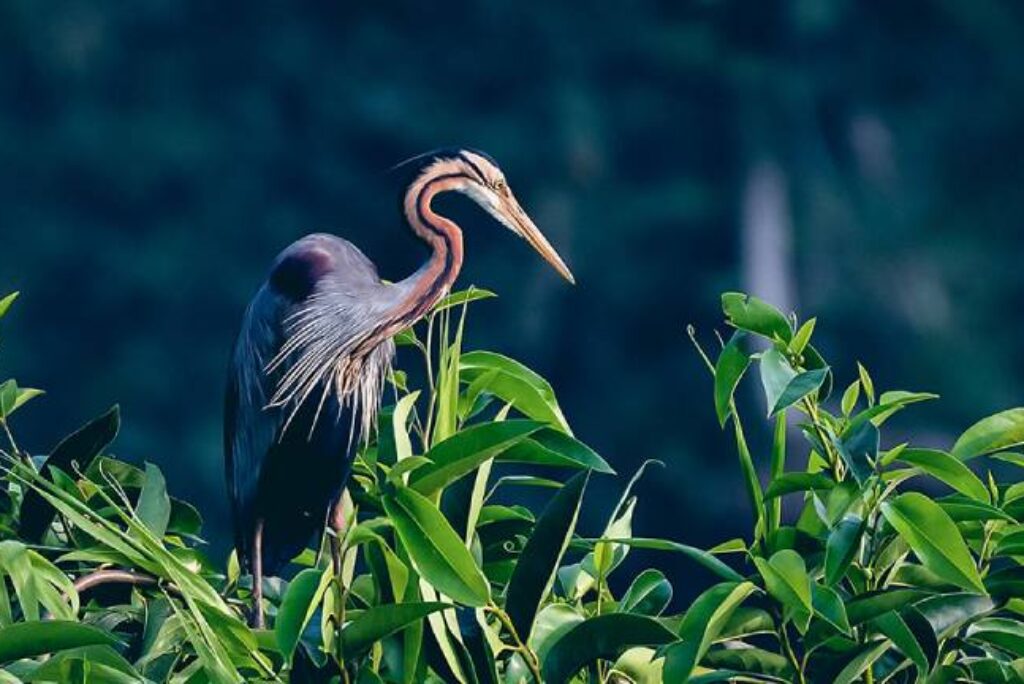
(856, 160)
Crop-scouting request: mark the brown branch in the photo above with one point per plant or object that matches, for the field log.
(95, 579)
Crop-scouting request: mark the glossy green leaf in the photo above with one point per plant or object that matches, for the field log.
(154, 506)
(841, 547)
(994, 433)
(550, 447)
(784, 386)
(701, 625)
(858, 448)
(948, 469)
(699, 556)
(297, 607)
(553, 621)
(785, 577)
(30, 639)
(515, 384)
(537, 567)
(601, 637)
(750, 313)
(861, 661)
(828, 606)
(729, 369)
(467, 296)
(464, 451)
(648, 594)
(912, 634)
(6, 301)
(934, 538)
(378, 622)
(737, 664)
(437, 552)
(947, 613)
(1004, 633)
(798, 482)
(850, 397)
(870, 605)
(80, 448)
(802, 336)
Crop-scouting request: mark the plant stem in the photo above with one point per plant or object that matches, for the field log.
(529, 656)
(790, 654)
(830, 454)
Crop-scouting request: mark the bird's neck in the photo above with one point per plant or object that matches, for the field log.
(434, 279)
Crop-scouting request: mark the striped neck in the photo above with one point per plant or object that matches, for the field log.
(434, 279)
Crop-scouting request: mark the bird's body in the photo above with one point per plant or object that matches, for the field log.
(312, 355)
(284, 472)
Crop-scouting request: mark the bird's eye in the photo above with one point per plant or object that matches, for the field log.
(499, 185)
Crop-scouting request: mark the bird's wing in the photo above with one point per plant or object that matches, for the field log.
(249, 429)
(324, 290)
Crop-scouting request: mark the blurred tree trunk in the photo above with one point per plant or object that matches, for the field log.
(766, 230)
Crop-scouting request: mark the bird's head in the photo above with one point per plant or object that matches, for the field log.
(477, 175)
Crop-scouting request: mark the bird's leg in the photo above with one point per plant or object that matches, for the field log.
(257, 578)
(336, 521)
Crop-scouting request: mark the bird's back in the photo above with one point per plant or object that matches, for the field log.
(285, 463)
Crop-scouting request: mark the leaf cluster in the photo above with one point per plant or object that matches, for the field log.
(449, 571)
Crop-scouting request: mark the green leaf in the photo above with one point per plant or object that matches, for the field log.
(552, 447)
(755, 315)
(8, 395)
(731, 664)
(701, 625)
(1003, 633)
(6, 301)
(31, 639)
(866, 383)
(858, 448)
(515, 384)
(700, 556)
(888, 404)
(537, 567)
(861, 661)
(913, 635)
(841, 548)
(948, 469)
(601, 637)
(934, 538)
(798, 482)
(785, 578)
(869, 606)
(995, 433)
(304, 594)
(464, 451)
(80, 447)
(13, 397)
(648, 594)
(783, 386)
(802, 336)
(947, 613)
(471, 294)
(829, 607)
(552, 622)
(729, 369)
(399, 421)
(154, 506)
(378, 622)
(850, 397)
(436, 550)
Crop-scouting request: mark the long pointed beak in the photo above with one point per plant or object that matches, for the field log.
(529, 232)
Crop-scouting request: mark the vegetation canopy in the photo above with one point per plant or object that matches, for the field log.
(902, 563)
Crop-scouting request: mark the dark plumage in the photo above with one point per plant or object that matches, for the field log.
(314, 348)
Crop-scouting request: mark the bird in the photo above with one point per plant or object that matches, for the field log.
(309, 364)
